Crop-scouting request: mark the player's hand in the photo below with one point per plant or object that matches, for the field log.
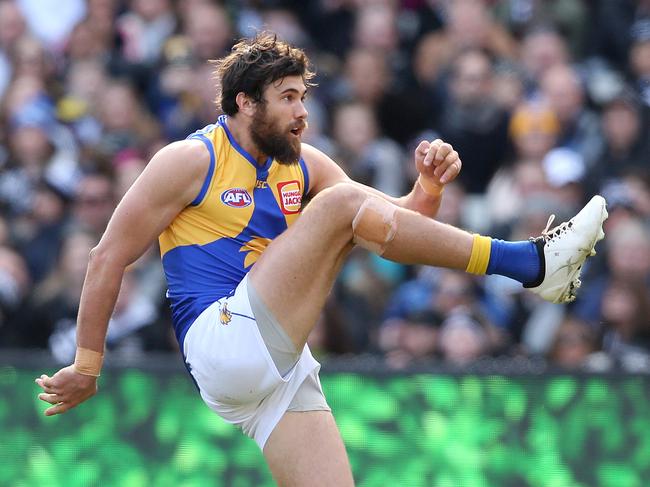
(66, 389)
(437, 162)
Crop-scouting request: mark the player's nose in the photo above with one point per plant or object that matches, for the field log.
(301, 111)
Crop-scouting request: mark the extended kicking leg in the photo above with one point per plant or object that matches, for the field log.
(296, 272)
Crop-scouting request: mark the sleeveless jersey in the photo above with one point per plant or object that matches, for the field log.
(242, 206)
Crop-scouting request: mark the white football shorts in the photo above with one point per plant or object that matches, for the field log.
(234, 371)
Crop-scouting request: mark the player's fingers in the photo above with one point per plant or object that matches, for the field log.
(450, 159)
(428, 159)
(45, 381)
(51, 398)
(48, 389)
(443, 151)
(431, 152)
(451, 172)
(422, 148)
(445, 164)
(57, 409)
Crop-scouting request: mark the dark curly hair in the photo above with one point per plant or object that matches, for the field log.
(254, 64)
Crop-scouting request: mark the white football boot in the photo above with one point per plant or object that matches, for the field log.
(565, 249)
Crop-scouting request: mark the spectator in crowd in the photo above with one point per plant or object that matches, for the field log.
(84, 44)
(562, 89)
(626, 143)
(570, 17)
(78, 106)
(173, 95)
(628, 260)
(30, 58)
(573, 345)
(464, 338)
(366, 77)
(367, 156)
(125, 121)
(54, 303)
(509, 85)
(625, 311)
(533, 130)
(639, 63)
(52, 30)
(209, 31)
(39, 148)
(93, 204)
(410, 340)
(40, 232)
(472, 121)
(611, 37)
(14, 291)
(144, 28)
(12, 28)
(470, 25)
(542, 48)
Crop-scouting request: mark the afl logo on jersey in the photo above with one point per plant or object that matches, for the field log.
(236, 198)
(290, 197)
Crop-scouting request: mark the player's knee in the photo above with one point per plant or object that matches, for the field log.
(375, 224)
(341, 201)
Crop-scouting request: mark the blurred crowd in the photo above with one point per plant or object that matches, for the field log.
(547, 102)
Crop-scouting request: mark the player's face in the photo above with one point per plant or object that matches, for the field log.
(280, 120)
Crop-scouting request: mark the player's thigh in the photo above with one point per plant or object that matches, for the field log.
(301, 264)
(306, 449)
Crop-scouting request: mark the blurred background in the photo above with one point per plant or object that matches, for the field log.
(467, 381)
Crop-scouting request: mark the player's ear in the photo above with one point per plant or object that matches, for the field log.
(245, 103)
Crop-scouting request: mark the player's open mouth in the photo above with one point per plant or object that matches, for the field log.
(297, 131)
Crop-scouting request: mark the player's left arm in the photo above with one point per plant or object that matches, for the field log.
(437, 163)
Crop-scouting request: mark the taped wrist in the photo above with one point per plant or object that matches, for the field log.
(374, 225)
(88, 362)
(429, 187)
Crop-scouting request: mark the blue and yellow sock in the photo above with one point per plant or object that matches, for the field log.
(517, 260)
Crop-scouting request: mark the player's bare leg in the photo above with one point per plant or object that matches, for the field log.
(316, 459)
(297, 270)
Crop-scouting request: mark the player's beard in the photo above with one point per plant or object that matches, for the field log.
(271, 140)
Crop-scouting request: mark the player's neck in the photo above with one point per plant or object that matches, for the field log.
(239, 130)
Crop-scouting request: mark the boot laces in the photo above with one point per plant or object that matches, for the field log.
(556, 231)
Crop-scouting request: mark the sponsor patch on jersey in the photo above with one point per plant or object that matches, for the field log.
(290, 197)
(236, 198)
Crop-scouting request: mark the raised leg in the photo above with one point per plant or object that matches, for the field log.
(296, 272)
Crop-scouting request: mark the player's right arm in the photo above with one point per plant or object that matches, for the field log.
(436, 162)
(172, 179)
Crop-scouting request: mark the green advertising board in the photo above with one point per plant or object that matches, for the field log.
(150, 428)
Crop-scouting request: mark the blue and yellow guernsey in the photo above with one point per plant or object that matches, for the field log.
(211, 245)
